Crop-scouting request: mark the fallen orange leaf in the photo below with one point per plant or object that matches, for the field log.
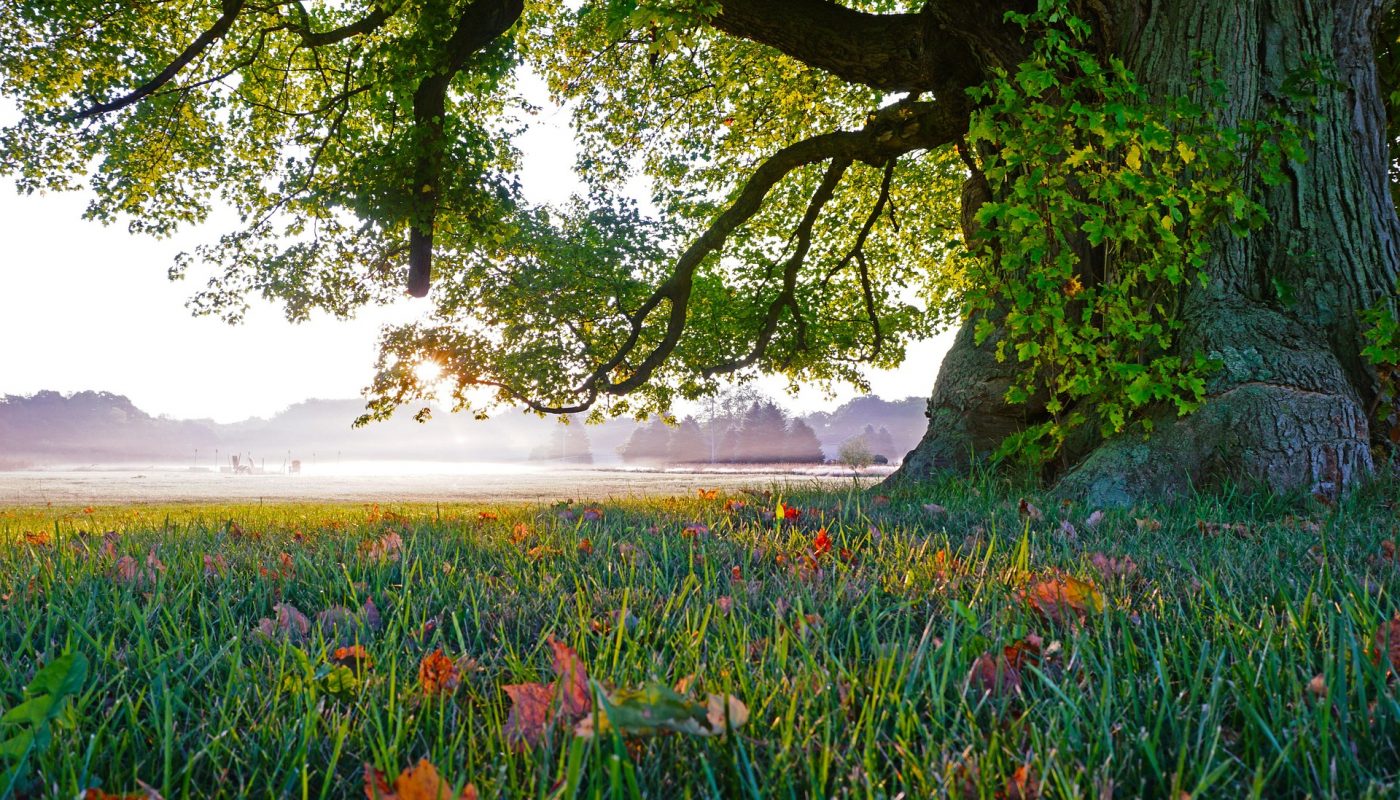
(421, 782)
(437, 673)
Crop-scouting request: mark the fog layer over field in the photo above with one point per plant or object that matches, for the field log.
(391, 481)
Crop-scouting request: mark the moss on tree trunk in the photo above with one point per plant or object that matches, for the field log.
(1288, 409)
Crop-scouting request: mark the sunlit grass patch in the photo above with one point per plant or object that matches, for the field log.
(963, 640)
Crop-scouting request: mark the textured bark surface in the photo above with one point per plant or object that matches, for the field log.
(1288, 409)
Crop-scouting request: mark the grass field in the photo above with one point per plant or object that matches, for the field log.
(946, 643)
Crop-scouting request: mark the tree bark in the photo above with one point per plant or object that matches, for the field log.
(1288, 410)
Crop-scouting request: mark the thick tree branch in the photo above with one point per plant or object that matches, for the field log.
(231, 10)
(366, 24)
(479, 24)
(893, 52)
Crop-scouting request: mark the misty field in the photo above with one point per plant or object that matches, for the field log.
(393, 481)
(962, 642)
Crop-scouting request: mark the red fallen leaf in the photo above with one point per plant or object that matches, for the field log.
(735, 574)
(88, 509)
(592, 514)
(535, 706)
(1387, 646)
(821, 544)
(387, 545)
(575, 698)
(487, 516)
(1110, 568)
(787, 513)
(846, 555)
(1148, 525)
(126, 570)
(214, 566)
(531, 711)
(732, 505)
(725, 604)
(438, 674)
(585, 546)
(421, 782)
(999, 674)
(708, 494)
(695, 529)
(370, 612)
(880, 500)
(1029, 511)
(991, 674)
(287, 623)
(1022, 785)
(109, 544)
(1388, 551)
(147, 793)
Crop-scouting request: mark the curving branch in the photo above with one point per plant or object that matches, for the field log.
(231, 9)
(366, 24)
(892, 131)
(787, 296)
(857, 254)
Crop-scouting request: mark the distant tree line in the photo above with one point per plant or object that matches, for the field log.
(568, 444)
(762, 434)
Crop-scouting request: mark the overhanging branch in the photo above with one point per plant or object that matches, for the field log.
(231, 10)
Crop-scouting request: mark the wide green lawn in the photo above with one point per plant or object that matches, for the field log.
(1221, 648)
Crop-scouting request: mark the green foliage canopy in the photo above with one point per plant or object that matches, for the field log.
(805, 221)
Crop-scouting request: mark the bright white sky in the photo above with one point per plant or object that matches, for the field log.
(84, 306)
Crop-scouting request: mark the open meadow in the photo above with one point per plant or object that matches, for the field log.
(956, 643)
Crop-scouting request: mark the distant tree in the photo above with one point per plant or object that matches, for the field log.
(648, 444)
(688, 444)
(882, 443)
(856, 454)
(730, 447)
(763, 435)
(568, 444)
(802, 446)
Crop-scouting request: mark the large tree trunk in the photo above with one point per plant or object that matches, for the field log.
(1289, 408)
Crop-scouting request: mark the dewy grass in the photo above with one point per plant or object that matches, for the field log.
(1229, 653)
